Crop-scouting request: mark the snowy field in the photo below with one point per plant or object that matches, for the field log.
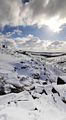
(32, 85)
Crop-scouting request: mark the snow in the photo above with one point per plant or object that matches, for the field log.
(26, 83)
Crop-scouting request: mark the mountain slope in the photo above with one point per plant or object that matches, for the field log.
(30, 87)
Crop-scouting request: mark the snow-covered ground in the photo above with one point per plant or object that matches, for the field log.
(32, 87)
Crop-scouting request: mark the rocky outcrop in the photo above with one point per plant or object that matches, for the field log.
(60, 81)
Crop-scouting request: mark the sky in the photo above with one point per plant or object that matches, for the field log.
(44, 19)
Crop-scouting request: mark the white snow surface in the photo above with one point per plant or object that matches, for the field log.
(27, 82)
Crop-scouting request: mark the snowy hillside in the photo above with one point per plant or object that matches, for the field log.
(32, 85)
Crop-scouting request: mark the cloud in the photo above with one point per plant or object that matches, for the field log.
(36, 12)
(14, 32)
(32, 43)
(9, 43)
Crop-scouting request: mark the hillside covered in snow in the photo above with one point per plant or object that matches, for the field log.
(32, 85)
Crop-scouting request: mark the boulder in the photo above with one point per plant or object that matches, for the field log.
(55, 91)
(60, 80)
(36, 75)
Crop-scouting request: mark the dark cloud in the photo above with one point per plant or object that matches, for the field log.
(48, 7)
(39, 12)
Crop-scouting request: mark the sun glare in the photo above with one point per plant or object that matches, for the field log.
(54, 24)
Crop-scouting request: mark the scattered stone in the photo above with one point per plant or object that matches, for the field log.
(15, 68)
(44, 73)
(43, 91)
(22, 62)
(36, 75)
(18, 77)
(54, 99)
(64, 100)
(9, 103)
(32, 60)
(23, 79)
(44, 83)
(55, 91)
(3, 46)
(34, 97)
(33, 88)
(15, 102)
(24, 67)
(36, 108)
(44, 68)
(61, 62)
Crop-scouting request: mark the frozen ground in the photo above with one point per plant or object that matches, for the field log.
(32, 86)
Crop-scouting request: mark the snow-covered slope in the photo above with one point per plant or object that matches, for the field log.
(32, 87)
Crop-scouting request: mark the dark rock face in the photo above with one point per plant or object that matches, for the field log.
(16, 89)
(60, 81)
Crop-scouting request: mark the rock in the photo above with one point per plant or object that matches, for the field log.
(18, 77)
(55, 91)
(8, 102)
(64, 100)
(23, 79)
(34, 97)
(36, 108)
(54, 99)
(44, 83)
(32, 88)
(32, 60)
(22, 62)
(43, 91)
(60, 81)
(24, 66)
(3, 46)
(16, 90)
(36, 75)
(15, 68)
